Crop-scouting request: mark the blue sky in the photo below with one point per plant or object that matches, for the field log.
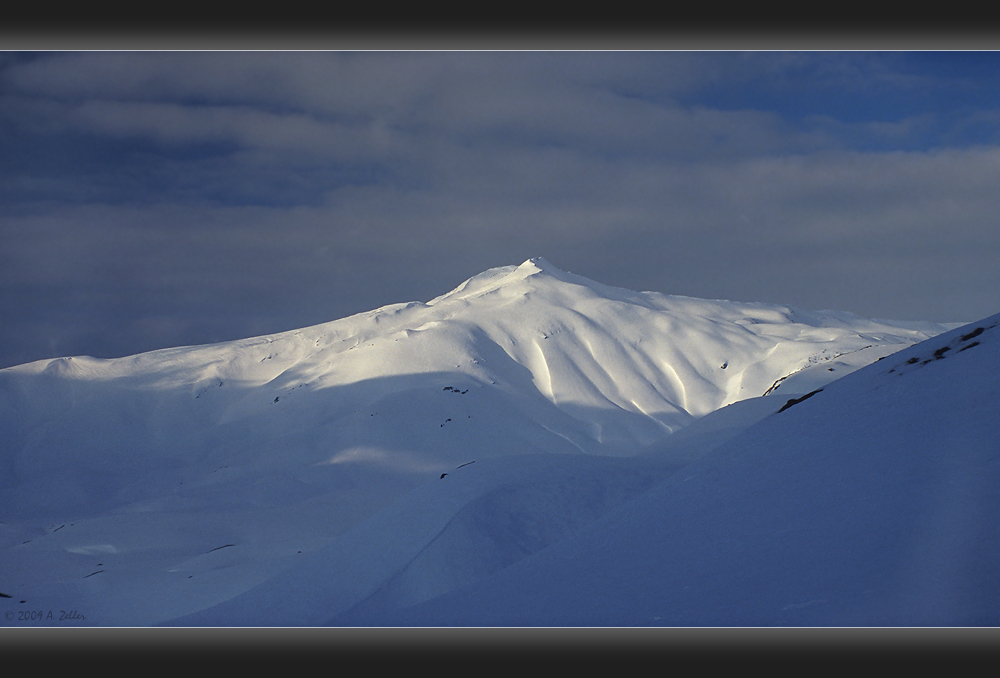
(154, 199)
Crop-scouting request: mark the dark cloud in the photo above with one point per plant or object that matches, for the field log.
(155, 199)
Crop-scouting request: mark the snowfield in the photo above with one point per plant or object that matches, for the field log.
(532, 448)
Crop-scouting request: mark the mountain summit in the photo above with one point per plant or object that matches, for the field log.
(516, 359)
(202, 471)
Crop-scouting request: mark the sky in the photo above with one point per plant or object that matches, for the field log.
(151, 199)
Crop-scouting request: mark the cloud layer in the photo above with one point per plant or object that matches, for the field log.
(153, 199)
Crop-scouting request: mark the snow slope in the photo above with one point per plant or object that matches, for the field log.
(875, 502)
(363, 465)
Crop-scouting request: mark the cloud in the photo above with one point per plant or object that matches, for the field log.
(149, 199)
(342, 103)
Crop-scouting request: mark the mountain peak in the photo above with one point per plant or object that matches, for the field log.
(538, 265)
(495, 278)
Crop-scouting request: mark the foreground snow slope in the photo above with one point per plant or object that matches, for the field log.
(874, 502)
(155, 486)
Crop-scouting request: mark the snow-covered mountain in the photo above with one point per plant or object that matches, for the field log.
(355, 471)
(874, 503)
